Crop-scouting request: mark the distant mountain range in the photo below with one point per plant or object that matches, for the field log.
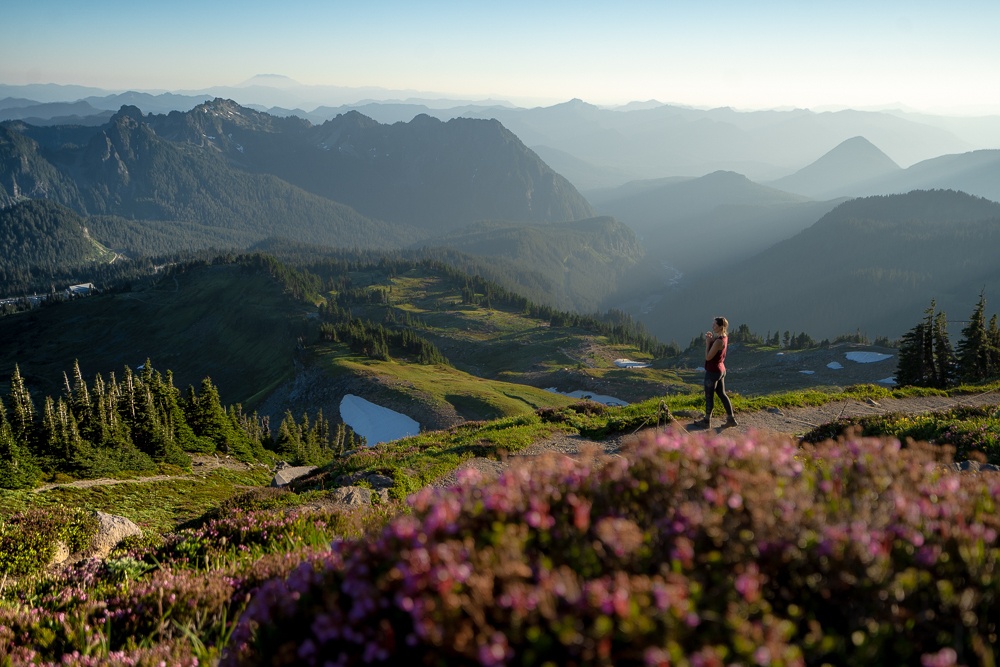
(592, 147)
(871, 263)
(457, 182)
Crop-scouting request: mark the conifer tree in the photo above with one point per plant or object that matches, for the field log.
(944, 354)
(18, 469)
(207, 417)
(976, 352)
(926, 358)
(22, 409)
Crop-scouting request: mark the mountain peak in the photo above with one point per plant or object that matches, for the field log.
(837, 171)
(270, 81)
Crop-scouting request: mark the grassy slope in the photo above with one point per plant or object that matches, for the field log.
(499, 344)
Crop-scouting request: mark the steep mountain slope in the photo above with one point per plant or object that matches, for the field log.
(125, 169)
(872, 263)
(703, 223)
(39, 235)
(425, 173)
(840, 172)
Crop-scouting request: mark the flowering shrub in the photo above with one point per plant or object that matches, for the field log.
(966, 429)
(171, 601)
(28, 539)
(699, 550)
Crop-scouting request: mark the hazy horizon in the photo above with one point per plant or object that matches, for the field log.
(909, 55)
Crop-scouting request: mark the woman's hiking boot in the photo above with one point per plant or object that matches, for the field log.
(704, 423)
(731, 421)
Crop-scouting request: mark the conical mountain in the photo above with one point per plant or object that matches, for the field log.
(841, 171)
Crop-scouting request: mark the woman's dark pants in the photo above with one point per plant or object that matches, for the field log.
(715, 385)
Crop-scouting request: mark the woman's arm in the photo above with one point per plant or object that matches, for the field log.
(713, 349)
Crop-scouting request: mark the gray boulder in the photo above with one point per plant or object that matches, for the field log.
(287, 475)
(111, 530)
(352, 495)
(379, 481)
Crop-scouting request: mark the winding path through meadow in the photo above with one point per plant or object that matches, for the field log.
(790, 421)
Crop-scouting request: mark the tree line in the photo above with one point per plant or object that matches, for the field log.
(928, 359)
(141, 421)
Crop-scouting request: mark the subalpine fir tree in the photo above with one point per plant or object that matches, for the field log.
(926, 358)
(977, 353)
(18, 469)
(944, 354)
(22, 408)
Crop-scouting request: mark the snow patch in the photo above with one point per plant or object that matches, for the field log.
(867, 357)
(835, 365)
(375, 423)
(606, 400)
(888, 380)
(628, 363)
(807, 372)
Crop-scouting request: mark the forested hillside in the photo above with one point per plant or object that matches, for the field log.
(871, 263)
(40, 240)
(124, 169)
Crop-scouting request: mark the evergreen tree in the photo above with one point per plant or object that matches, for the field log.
(22, 409)
(976, 352)
(18, 469)
(944, 354)
(208, 418)
(926, 358)
(993, 335)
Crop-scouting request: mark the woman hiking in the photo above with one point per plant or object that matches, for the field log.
(716, 343)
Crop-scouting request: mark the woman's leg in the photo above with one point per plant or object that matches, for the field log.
(711, 384)
(720, 389)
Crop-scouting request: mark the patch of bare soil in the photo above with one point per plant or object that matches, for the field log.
(797, 421)
(199, 466)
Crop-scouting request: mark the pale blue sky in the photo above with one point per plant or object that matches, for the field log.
(928, 56)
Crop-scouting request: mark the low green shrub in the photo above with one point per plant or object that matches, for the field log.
(966, 429)
(28, 539)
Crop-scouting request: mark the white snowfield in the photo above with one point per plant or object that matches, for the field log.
(628, 363)
(857, 357)
(867, 357)
(375, 423)
(606, 400)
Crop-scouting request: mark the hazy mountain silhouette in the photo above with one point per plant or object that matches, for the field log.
(871, 263)
(837, 173)
(699, 224)
(976, 172)
(637, 141)
(678, 141)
